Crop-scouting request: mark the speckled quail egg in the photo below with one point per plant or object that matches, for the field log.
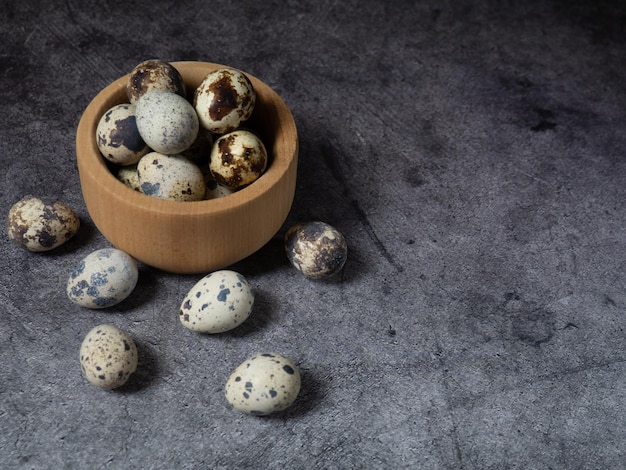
(316, 249)
(128, 175)
(238, 159)
(108, 356)
(102, 279)
(214, 190)
(170, 177)
(117, 136)
(224, 99)
(263, 384)
(218, 302)
(166, 121)
(153, 74)
(41, 224)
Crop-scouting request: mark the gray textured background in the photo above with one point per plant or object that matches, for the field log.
(472, 152)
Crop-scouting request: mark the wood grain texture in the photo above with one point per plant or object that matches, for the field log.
(191, 237)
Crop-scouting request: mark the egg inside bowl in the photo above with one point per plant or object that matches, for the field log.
(199, 236)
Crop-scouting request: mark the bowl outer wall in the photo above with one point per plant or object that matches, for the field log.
(200, 236)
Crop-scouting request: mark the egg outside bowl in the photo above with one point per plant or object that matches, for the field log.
(200, 236)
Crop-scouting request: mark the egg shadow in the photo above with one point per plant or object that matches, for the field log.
(147, 369)
(312, 392)
(353, 269)
(143, 292)
(260, 318)
(270, 257)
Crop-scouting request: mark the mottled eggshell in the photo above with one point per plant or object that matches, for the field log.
(218, 302)
(153, 74)
(214, 190)
(117, 136)
(264, 384)
(170, 177)
(41, 224)
(167, 122)
(224, 99)
(108, 356)
(316, 249)
(102, 279)
(128, 175)
(238, 159)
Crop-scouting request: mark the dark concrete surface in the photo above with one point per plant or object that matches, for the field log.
(473, 154)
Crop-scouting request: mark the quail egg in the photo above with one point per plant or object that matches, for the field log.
(108, 356)
(263, 384)
(41, 224)
(102, 279)
(170, 177)
(218, 302)
(117, 136)
(153, 74)
(238, 159)
(128, 175)
(166, 121)
(224, 99)
(214, 190)
(316, 249)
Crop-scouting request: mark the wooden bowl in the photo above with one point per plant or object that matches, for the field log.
(200, 236)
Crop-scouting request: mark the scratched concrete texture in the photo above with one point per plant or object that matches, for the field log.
(473, 155)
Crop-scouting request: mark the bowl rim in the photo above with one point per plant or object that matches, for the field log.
(96, 164)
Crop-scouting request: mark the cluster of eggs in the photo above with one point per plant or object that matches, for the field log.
(220, 301)
(167, 146)
(157, 138)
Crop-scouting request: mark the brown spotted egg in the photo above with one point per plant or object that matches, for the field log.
(218, 302)
(172, 177)
(153, 74)
(117, 136)
(238, 159)
(214, 190)
(108, 356)
(224, 99)
(263, 384)
(167, 122)
(316, 249)
(41, 224)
